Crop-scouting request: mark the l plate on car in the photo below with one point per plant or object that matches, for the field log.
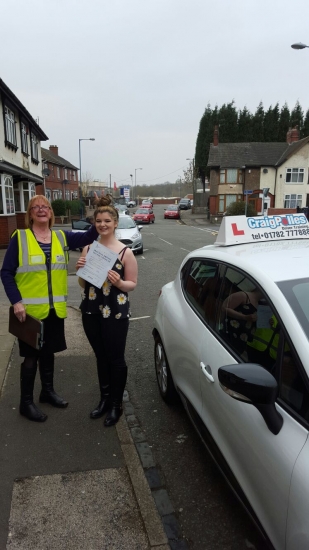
(242, 229)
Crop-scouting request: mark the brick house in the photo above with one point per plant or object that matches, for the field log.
(282, 168)
(20, 162)
(61, 178)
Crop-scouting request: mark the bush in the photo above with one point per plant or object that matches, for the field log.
(239, 208)
(59, 207)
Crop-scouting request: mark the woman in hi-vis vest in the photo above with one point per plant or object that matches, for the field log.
(34, 275)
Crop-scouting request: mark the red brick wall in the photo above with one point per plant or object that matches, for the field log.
(20, 220)
(252, 179)
(7, 226)
(279, 211)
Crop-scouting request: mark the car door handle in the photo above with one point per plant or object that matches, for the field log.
(206, 369)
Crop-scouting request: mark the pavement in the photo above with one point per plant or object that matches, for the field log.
(70, 482)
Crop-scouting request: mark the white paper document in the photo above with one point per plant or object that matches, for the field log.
(264, 314)
(99, 260)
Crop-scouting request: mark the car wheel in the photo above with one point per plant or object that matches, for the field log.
(153, 221)
(164, 378)
(140, 251)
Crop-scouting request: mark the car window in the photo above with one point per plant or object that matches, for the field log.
(292, 387)
(201, 288)
(246, 320)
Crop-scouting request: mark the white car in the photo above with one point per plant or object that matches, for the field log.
(127, 232)
(232, 340)
(131, 204)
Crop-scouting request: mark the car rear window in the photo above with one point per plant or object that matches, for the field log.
(296, 292)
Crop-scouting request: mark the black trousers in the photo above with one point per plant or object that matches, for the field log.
(107, 338)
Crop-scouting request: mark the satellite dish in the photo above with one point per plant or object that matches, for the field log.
(265, 171)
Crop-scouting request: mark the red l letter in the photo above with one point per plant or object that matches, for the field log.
(237, 231)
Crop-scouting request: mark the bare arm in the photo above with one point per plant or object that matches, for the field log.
(232, 302)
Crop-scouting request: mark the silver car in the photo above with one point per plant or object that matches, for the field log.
(129, 234)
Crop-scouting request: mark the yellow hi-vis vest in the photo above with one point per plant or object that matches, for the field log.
(42, 288)
(266, 339)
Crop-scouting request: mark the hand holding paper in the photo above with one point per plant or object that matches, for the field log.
(99, 260)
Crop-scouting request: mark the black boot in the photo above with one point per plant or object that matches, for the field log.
(48, 394)
(104, 404)
(27, 377)
(118, 383)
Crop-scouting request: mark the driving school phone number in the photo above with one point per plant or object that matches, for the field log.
(280, 234)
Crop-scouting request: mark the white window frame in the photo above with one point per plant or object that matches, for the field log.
(55, 194)
(34, 147)
(10, 126)
(298, 174)
(7, 195)
(25, 191)
(68, 195)
(296, 198)
(24, 138)
(73, 175)
(58, 172)
(48, 194)
(65, 173)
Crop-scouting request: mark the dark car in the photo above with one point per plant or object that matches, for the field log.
(184, 204)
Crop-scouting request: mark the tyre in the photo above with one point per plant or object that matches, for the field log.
(140, 251)
(152, 221)
(164, 378)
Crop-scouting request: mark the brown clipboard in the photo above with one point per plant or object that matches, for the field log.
(30, 331)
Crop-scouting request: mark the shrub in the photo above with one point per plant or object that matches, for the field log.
(239, 208)
(59, 207)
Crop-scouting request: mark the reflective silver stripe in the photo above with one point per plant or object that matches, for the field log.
(58, 266)
(24, 247)
(60, 237)
(38, 301)
(28, 268)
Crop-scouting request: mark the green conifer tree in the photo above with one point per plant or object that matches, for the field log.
(297, 117)
(244, 124)
(258, 123)
(284, 122)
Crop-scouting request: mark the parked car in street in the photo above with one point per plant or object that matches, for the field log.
(184, 204)
(122, 209)
(145, 205)
(131, 204)
(231, 337)
(172, 211)
(147, 201)
(144, 215)
(129, 234)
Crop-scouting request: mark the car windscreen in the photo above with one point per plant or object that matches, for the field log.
(185, 200)
(142, 211)
(296, 292)
(172, 207)
(126, 223)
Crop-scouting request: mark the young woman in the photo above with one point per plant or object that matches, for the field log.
(34, 275)
(105, 314)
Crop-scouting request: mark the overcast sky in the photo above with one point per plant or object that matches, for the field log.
(137, 74)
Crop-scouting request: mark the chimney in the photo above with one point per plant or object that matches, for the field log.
(292, 135)
(54, 149)
(216, 136)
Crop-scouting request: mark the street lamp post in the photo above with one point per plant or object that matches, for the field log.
(135, 182)
(193, 179)
(131, 176)
(80, 172)
(299, 46)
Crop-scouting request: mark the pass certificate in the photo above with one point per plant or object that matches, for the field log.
(99, 260)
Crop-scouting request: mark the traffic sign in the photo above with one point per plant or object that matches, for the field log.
(248, 192)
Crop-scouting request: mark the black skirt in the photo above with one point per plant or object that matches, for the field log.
(54, 338)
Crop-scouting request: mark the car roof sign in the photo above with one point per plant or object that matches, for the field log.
(241, 229)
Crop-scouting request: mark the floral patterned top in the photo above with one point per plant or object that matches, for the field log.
(108, 300)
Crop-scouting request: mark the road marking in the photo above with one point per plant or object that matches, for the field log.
(138, 318)
(185, 249)
(165, 241)
(212, 231)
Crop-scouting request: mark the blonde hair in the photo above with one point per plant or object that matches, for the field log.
(104, 204)
(44, 200)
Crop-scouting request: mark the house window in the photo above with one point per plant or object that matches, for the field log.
(226, 200)
(24, 138)
(292, 201)
(58, 172)
(67, 195)
(34, 147)
(10, 129)
(48, 194)
(65, 173)
(23, 192)
(294, 175)
(7, 196)
(73, 175)
(231, 175)
(55, 195)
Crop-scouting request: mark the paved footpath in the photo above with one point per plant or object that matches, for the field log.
(70, 483)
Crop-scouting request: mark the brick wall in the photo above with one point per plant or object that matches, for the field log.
(7, 226)
(20, 220)
(252, 179)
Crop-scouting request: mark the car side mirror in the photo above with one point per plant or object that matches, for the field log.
(252, 384)
(140, 227)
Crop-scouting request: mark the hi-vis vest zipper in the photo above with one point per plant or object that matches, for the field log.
(40, 289)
